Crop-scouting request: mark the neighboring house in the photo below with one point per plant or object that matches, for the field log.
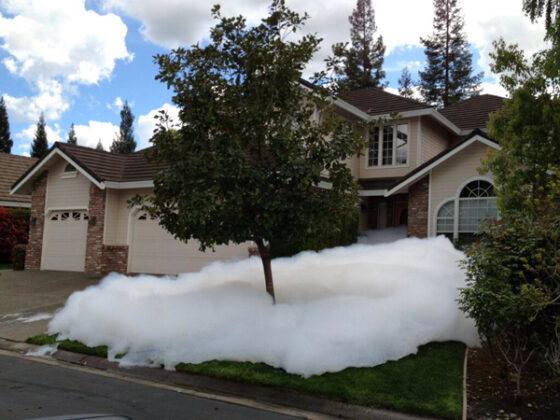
(11, 168)
(420, 169)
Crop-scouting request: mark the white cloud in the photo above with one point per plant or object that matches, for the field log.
(493, 89)
(26, 136)
(89, 135)
(147, 124)
(50, 101)
(58, 43)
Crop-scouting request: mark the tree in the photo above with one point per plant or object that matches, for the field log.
(125, 143)
(40, 144)
(513, 292)
(551, 11)
(360, 64)
(72, 139)
(5, 140)
(405, 84)
(99, 145)
(448, 77)
(246, 162)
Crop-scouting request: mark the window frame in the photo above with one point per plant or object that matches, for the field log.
(380, 149)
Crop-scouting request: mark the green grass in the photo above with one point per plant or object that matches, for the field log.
(5, 266)
(429, 382)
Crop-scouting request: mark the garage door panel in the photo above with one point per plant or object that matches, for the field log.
(154, 250)
(64, 244)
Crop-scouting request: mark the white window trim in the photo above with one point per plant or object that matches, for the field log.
(456, 198)
(380, 150)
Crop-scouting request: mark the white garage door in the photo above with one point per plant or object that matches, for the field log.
(64, 242)
(154, 250)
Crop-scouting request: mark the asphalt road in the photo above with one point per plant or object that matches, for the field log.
(31, 389)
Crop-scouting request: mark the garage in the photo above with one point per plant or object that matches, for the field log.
(154, 250)
(64, 247)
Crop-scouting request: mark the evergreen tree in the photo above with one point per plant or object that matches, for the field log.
(448, 76)
(99, 145)
(361, 64)
(5, 140)
(40, 144)
(125, 143)
(551, 11)
(72, 139)
(405, 84)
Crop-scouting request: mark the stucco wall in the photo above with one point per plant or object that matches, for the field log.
(451, 175)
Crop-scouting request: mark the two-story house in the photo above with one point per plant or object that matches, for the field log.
(419, 170)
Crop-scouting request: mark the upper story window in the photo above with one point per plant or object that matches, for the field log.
(388, 146)
(69, 171)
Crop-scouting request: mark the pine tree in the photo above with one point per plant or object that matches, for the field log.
(40, 144)
(125, 143)
(405, 84)
(360, 64)
(99, 145)
(72, 139)
(448, 76)
(5, 140)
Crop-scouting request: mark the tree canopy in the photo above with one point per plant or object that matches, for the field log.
(252, 147)
(125, 142)
(360, 64)
(448, 76)
(40, 145)
(406, 84)
(72, 139)
(5, 140)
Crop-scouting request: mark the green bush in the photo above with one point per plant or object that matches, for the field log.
(18, 256)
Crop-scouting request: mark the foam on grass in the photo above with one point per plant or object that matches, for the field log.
(360, 305)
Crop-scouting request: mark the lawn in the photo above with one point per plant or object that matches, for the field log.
(429, 382)
(5, 266)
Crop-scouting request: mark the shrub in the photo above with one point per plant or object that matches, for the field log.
(14, 227)
(18, 256)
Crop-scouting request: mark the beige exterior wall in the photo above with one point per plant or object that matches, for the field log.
(393, 171)
(66, 193)
(117, 215)
(452, 175)
(434, 140)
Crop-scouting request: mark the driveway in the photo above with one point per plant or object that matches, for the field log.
(28, 299)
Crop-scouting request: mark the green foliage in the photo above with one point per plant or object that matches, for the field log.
(18, 256)
(125, 142)
(72, 139)
(514, 270)
(551, 11)
(99, 145)
(68, 345)
(429, 382)
(5, 140)
(405, 84)
(448, 76)
(40, 145)
(246, 161)
(359, 64)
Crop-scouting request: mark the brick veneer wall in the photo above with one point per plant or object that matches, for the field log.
(36, 224)
(115, 258)
(418, 208)
(94, 241)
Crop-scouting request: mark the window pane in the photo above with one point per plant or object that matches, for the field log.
(402, 144)
(445, 218)
(387, 158)
(478, 188)
(373, 152)
(472, 211)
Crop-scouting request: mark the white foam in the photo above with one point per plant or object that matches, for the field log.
(354, 306)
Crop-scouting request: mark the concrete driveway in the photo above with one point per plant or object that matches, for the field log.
(28, 299)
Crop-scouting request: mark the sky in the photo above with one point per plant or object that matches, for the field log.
(78, 61)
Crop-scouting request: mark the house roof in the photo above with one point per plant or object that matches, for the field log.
(12, 168)
(376, 101)
(102, 168)
(420, 171)
(473, 112)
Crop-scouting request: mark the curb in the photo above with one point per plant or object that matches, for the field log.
(465, 362)
(267, 397)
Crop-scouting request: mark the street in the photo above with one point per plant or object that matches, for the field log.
(35, 389)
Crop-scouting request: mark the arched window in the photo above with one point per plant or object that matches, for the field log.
(476, 201)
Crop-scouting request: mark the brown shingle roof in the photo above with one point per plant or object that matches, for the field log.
(376, 101)
(11, 168)
(473, 112)
(106, 166)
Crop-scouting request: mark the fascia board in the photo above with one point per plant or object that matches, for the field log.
(129, 185)
(428, 168)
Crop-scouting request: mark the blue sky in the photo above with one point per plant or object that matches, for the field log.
(78, 61)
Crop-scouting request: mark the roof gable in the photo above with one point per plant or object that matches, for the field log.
(13, 166)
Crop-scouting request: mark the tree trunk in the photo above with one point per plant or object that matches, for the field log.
(264, 251)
